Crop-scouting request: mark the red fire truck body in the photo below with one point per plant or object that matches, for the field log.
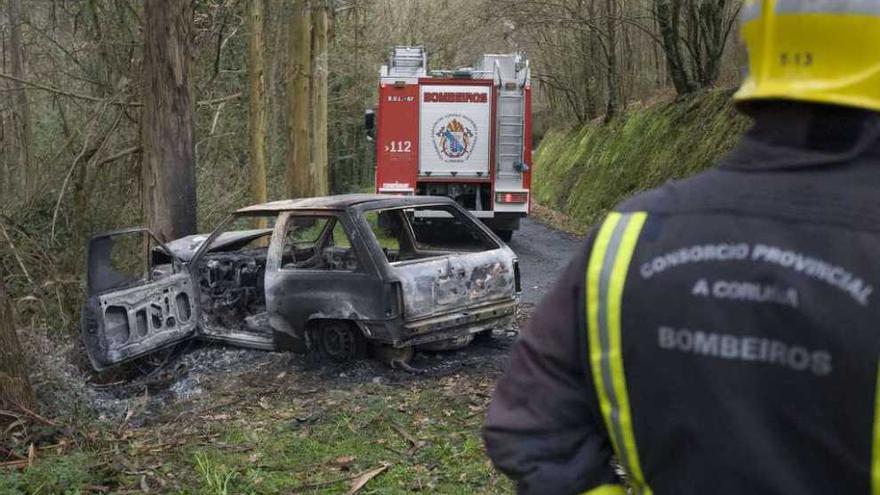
(464, 134)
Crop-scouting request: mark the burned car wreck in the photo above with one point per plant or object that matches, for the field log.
(334, 275)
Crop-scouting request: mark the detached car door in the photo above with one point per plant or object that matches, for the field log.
(140, 298)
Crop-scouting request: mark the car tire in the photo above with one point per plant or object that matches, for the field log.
(340, 341)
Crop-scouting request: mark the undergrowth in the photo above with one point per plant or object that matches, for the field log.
(422, 437)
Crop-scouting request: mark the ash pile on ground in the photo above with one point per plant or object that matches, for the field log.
(188, 373)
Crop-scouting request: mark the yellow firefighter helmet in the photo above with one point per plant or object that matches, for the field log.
(820, 51)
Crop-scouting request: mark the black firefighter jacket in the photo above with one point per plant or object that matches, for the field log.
(718, 335)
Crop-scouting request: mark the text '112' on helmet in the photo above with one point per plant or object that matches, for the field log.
(819, 51)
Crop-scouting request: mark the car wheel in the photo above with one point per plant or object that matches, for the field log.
(341, 341)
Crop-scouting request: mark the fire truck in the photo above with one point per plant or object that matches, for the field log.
(462, 133)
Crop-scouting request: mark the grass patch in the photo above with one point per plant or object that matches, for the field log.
(584, 172)
(427, 434)
(76, 473)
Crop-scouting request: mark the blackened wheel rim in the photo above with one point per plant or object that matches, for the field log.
(340, 341)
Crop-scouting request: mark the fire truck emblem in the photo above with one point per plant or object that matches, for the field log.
(454, 137)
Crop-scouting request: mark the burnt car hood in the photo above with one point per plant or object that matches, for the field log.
(186, 247)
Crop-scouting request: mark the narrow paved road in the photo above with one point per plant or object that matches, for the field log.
(543, 254)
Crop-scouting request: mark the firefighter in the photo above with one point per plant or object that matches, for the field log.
(721, 334)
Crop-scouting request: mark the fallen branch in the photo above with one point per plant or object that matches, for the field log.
(357, 477)
(405, 434)
(365, 478)
(14, 464)
(27, 412)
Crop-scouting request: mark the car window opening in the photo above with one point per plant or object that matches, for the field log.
(425, 232)
(317, 243)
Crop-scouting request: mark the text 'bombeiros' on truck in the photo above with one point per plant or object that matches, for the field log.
(462, 133)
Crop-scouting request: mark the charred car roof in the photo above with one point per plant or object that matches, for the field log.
(344, 201)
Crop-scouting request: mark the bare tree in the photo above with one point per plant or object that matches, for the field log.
(612, 71)
(320, 80)
(257, 114)
(169, 174)
(300, 160)
(575, 46)
(694, 35)
(20, 142)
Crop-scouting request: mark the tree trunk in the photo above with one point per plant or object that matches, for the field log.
(21, 121)
(668, 15)
(15, 386)
(320, 80)
(169, 171)
(715, 21)
(613, 72)
(258, 120)
(299, 165)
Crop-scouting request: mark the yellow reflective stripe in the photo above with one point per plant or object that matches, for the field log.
(606, 490)
(875, 454)
(594, 273)
(615, 302)
(606, 276)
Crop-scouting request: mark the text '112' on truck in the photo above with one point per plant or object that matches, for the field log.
(462, 133)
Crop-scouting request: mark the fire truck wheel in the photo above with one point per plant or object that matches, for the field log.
(505, 235)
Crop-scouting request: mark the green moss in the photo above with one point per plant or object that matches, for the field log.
(586, 171)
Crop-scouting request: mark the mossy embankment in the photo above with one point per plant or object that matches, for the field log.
(584, 171)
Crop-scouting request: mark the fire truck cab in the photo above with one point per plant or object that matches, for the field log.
(462, 133)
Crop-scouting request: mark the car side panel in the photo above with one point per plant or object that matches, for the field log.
(296, 297)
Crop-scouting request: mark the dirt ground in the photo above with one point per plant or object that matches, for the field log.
(203, 418)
